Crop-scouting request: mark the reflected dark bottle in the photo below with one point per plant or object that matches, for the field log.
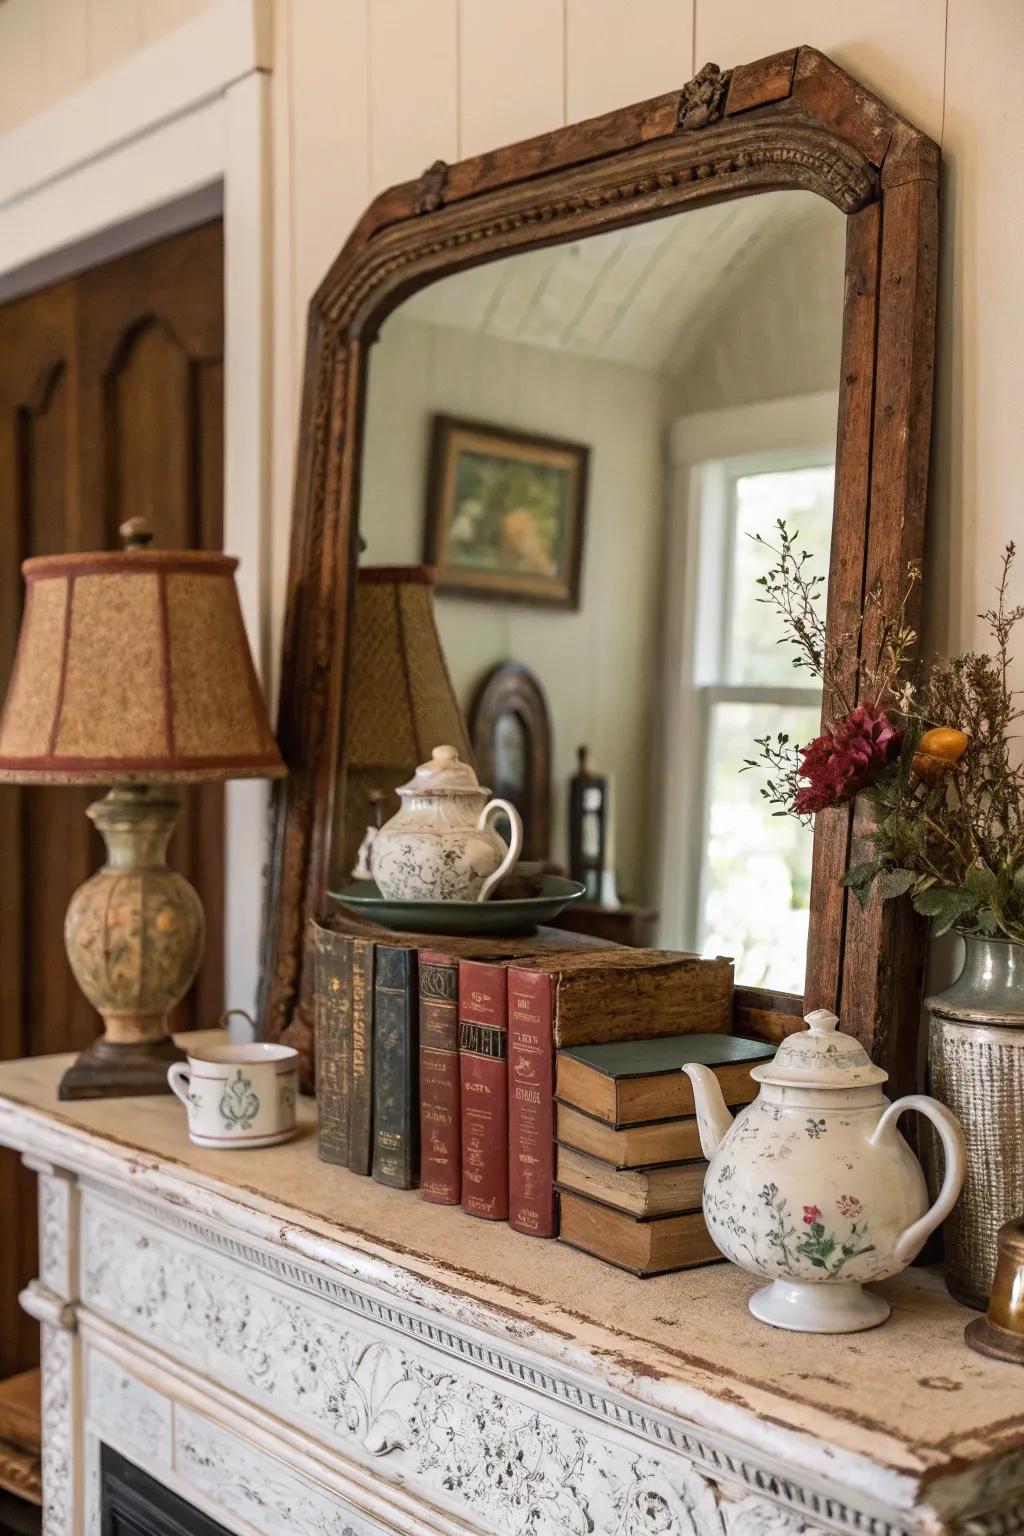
(588, 802)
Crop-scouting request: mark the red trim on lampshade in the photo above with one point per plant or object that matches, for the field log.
(259, 708)
(156, 770)
(165, 660)
(104, 562)
(69, 603)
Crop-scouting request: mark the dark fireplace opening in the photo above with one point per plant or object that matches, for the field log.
(134, 1504)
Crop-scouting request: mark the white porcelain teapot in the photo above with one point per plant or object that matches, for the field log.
(440, 845)
(812, 1187)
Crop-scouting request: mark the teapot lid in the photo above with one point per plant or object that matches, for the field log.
(820, 1057)
(445, 772)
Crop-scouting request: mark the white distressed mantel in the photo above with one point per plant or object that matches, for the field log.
(300, 1352)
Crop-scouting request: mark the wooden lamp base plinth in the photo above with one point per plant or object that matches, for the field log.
(107, 1070)
(134, 936)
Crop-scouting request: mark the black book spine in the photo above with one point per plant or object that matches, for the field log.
(332, 1012)
(360, 1139)
(396, 1132)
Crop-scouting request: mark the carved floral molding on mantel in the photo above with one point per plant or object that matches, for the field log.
(459, 1440)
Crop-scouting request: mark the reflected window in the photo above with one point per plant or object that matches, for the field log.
(755, 868)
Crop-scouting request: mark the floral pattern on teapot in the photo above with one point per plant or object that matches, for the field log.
(812, 1188)
(440, 845)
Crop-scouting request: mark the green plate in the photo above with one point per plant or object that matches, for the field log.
(461, 917)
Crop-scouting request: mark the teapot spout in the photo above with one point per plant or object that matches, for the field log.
(713, 1119)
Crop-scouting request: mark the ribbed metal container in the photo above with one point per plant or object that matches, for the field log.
(976, 1068)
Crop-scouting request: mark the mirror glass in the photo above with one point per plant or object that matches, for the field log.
(586, 441)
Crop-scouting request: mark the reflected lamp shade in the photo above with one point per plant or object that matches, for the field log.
(400, 702)
(133, 667)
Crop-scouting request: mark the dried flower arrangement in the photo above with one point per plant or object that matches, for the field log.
(931, 752)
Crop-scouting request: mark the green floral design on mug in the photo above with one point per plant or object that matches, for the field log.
(239, 1106)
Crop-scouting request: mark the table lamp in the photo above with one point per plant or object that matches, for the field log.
(133, 669)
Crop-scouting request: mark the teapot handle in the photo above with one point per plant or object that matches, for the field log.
(511, 858)
(911, 1240)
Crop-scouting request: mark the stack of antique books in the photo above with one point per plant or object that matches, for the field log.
(629, 1165)
(436, 1058)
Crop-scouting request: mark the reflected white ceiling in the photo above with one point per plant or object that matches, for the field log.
(642, 296)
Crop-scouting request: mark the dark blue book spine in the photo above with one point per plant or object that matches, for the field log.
(396, 1131)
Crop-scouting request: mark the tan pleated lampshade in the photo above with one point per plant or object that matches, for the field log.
(134, 667)
(400, 702)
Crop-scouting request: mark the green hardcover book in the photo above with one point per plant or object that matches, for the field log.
(396, 1132)
(332, 1012)
(360, 1130)
(638, 1081)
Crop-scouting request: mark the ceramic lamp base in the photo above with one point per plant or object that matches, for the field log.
(828, 1307)
(106, 1070)
(134, 936)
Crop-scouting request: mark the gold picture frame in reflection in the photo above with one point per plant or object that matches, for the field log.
(505, 513)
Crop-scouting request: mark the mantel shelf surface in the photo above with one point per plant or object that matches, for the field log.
(908, 1402)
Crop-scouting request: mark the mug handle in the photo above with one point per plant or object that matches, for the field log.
(910, 1241)
(177, 1073)
(515, 848)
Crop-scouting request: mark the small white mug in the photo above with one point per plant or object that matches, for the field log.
(238, 1095)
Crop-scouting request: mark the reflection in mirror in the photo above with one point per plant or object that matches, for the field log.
(587, 442)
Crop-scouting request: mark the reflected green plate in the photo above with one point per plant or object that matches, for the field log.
(461, 917)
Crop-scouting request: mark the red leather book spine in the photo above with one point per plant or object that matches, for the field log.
(483, 1072)
(531, 1103)
(440, 1113)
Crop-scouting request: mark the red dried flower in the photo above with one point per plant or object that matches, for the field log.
(811, 1215)
(842, 761)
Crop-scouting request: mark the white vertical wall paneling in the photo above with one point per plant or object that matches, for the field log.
(511, 71)
(114, 31)
(248, 320)
(65, 47)
(414, 87)
(21, 61)
(896, 50)
(330, 154)
(617, 54)
(977, 500)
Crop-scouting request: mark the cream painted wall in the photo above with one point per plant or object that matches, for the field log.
(50, 47)
(596, 665)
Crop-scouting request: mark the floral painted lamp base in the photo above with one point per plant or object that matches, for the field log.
(815, 1308)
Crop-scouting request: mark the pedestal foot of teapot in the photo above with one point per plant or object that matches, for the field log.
(828, 1307)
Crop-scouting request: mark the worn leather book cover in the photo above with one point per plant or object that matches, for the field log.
(633, 994)
(483, 1076)
(666, 1190)
(332, 995)
(628, 1083)
(531, 1105)
(396, 1136)
(643, 1247)
(629, 1146)
(440, 1114)
(360, 1135)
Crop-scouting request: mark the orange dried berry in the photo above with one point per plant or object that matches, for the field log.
(944, 741)
(937, 751)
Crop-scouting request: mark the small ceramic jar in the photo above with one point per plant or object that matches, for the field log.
(812, 1187)
(440, 845)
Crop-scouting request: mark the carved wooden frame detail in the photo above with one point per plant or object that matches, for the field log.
(794, 120)
(512, 689)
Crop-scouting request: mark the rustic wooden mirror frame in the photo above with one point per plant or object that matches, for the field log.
(794, 120)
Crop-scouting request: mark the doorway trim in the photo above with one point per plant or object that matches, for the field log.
(174, 135)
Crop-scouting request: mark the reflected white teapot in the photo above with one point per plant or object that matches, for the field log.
(440, 845)
(812, 1187)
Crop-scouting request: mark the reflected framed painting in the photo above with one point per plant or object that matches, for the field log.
(505, 513)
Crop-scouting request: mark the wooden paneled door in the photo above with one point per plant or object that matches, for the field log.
(111, 406)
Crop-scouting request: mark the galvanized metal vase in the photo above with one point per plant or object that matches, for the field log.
(976, 1068)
